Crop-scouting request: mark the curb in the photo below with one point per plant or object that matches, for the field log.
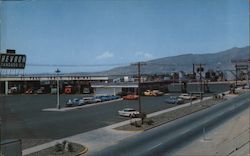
(66, 109)
(83, 152)
(157, 125)
(141, 130)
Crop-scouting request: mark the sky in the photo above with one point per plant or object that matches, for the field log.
(95, 35)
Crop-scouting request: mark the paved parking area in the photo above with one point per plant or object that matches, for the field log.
(22, 115)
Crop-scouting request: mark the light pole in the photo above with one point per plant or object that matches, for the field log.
(58, 92)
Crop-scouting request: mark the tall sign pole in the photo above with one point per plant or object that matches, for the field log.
(200, 69)
(58, 89)
(248, 85)
(10, 60)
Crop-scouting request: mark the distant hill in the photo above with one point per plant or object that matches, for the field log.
(221, 60)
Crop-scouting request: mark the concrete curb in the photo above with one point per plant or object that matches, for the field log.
(65, 109)
(83, 152)
(172, 109)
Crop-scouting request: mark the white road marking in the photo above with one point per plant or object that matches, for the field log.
(154, 146)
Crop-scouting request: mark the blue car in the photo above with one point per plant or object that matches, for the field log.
(102, 98)
(174, 100)
(113, 97)
(74, 102)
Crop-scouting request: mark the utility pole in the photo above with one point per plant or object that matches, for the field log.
(139, 85)
(139, 88)
(248, 62)
(236, 75)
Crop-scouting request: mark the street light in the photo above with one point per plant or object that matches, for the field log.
(58, 92)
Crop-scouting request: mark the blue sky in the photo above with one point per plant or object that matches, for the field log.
(94, 32)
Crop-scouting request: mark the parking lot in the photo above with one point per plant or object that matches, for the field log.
(22, 115)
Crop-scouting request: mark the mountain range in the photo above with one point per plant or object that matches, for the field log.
(219, 60)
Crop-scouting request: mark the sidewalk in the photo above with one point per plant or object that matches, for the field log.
(101, 138)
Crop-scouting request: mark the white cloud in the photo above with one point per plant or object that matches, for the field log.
(144, 55)
(105, 55)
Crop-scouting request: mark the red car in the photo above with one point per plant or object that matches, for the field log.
(130, 97)
(29, 91)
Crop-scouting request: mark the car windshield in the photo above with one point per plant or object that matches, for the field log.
(129, 110)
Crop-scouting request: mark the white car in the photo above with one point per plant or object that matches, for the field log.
(128, 112)
(187, 97)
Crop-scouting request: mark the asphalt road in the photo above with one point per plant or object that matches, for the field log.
(22, 115)
(169, 137)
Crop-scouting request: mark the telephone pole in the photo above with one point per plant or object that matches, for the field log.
(139, 64)
(139, 85)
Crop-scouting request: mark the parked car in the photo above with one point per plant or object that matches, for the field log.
(113, 97)
(89, 100)
(40, 90)
(148, 93)
(122, 93)
(130, 97)
(187, 97)
(103, 98)
(74, 102)
(13, 90)
(174, 100)
(157, 93)
(29, 91)
(128, 112)
(68, 89)
(153, 93)
(96, 99)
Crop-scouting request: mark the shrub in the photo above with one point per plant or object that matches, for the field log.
(137, 124)
(64, 144)
(70, 147)
(150, 122)
(58, 147)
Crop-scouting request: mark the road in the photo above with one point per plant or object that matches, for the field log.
(228, 139)
(22, 115)
(171, 136)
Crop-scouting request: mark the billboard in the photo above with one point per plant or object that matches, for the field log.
(12, 61)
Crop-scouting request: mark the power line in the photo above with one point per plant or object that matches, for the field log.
(73, 65)
(101, 65)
